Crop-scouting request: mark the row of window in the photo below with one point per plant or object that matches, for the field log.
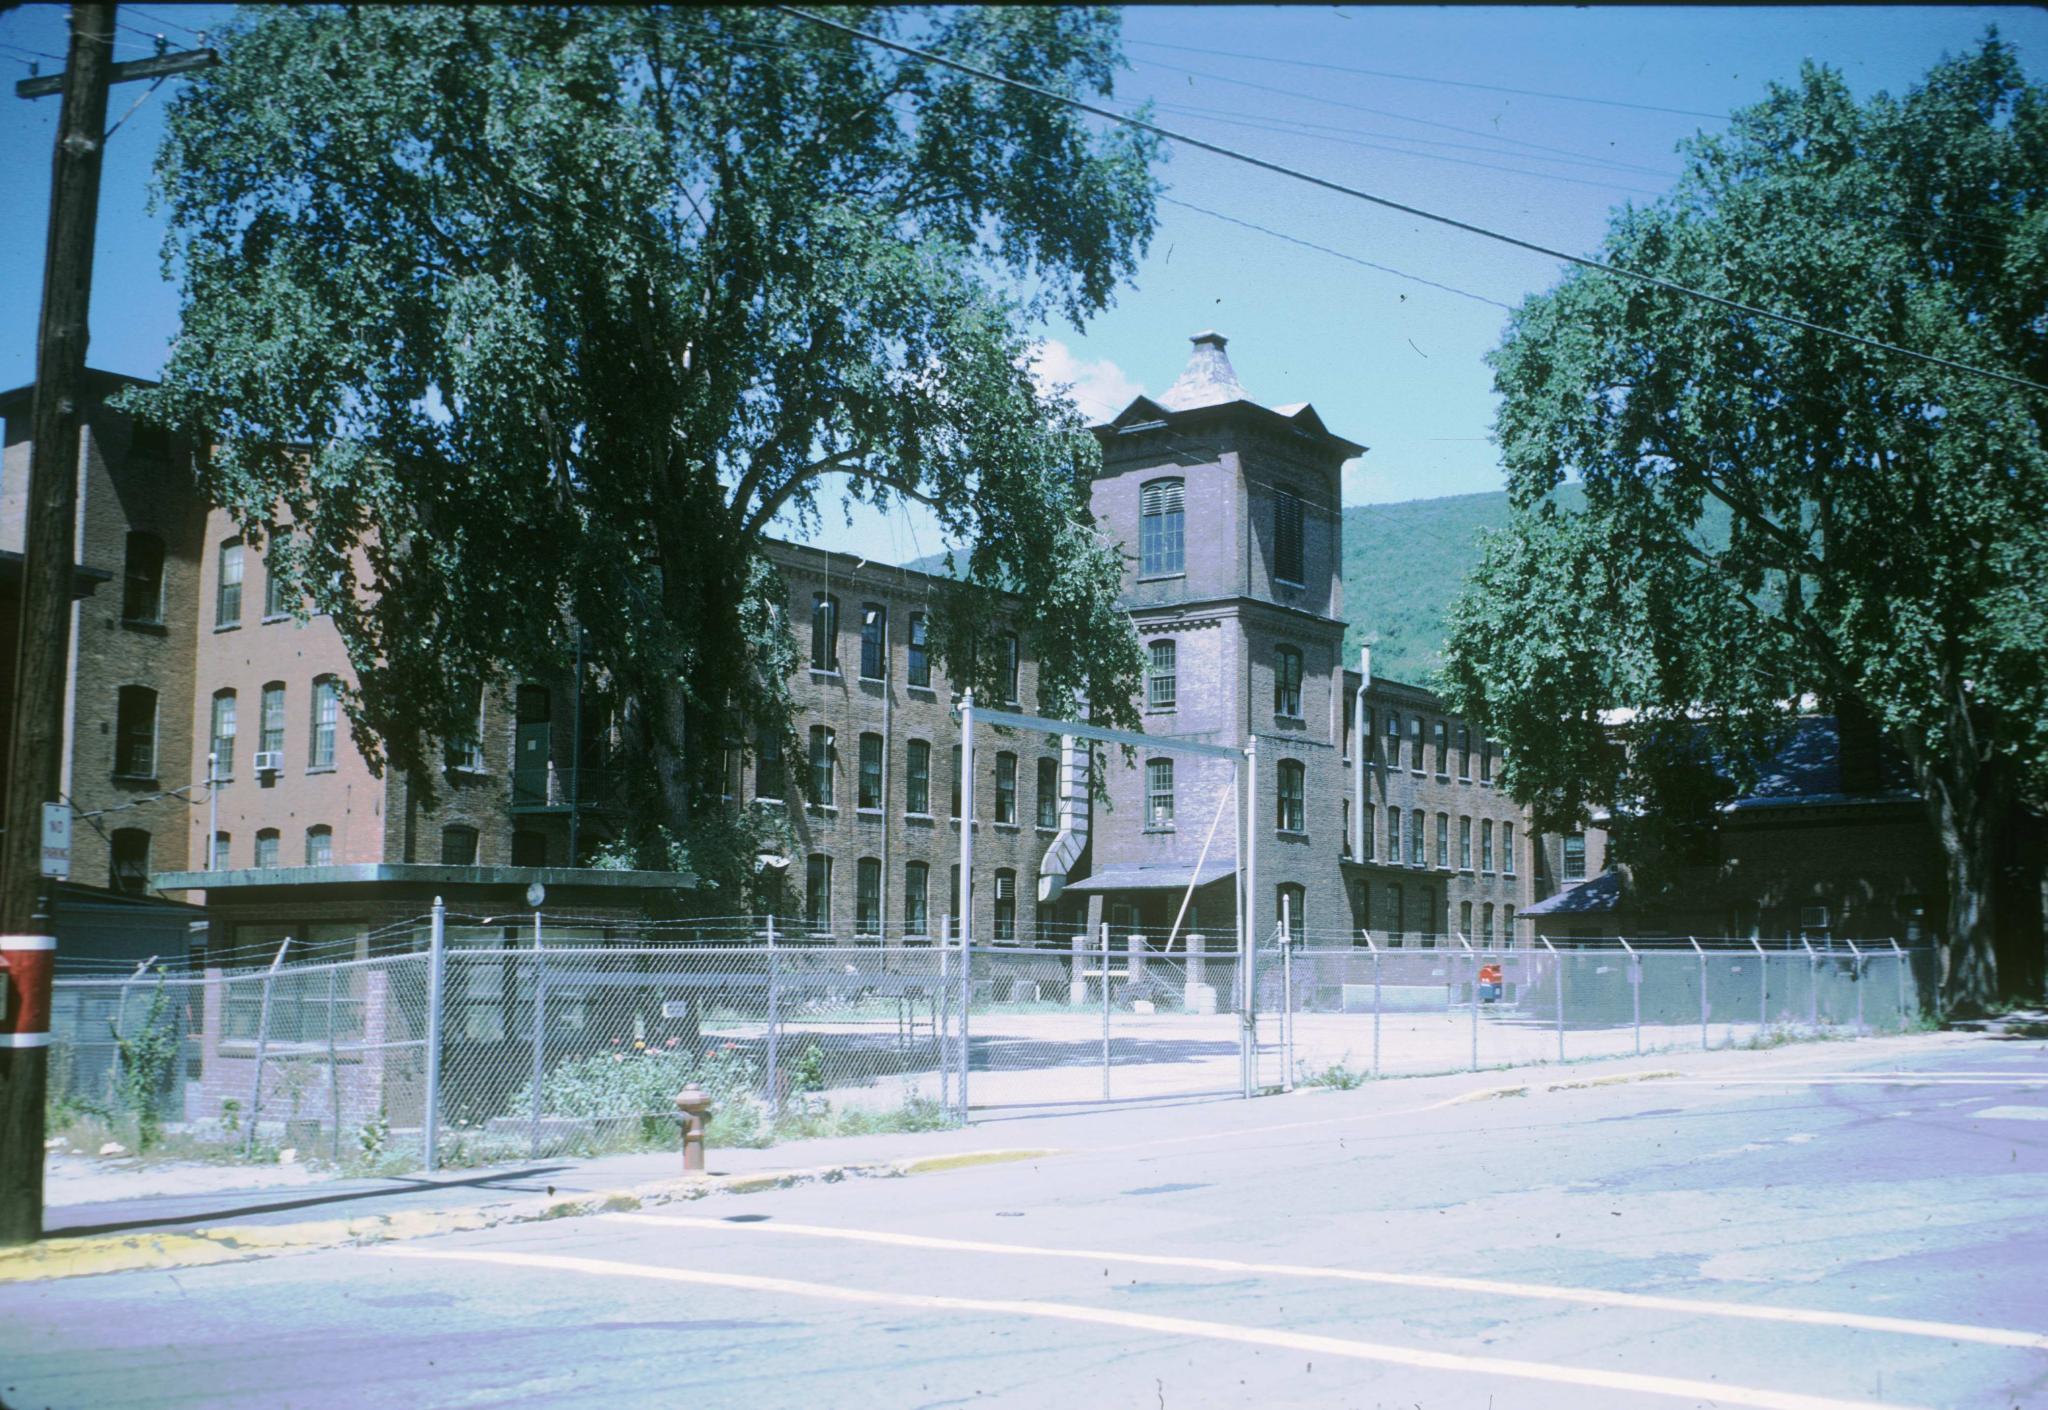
(1162, 532)
(917, 913)
(1416, 819)
(874, 645)
(269, 841)
(1419, 748)
(1397, 917)
(1162, 679)
(135, 728)
(458, 849)
(771, 778)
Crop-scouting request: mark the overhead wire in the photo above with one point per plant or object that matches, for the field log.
(1406, 208)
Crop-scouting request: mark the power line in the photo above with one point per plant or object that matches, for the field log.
(160, 19)
(1500, 237)
(1419, 78)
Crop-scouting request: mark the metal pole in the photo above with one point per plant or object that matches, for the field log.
(333, 1071)
(774, 1025)
(966, 1004)
(430, 1125)
(1375, 1003)
(1557, 963)
(1472, 958)
(1703, 990)
(1105, 1010)
(966, 896)
(1812, 984)
(1248, 977)
(1899, 963)
(1858, 962)
(942, 1005)
(1286, 993)
(540, 1038)
(212, 808)
(1635, 988)
(121, 1012)
(1763, 987)
(263, 1042)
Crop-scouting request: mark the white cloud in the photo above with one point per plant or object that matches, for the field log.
(1101, 389)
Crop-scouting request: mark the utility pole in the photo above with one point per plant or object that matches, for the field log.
(35, 752)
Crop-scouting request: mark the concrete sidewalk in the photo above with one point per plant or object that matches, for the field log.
(167, 1230)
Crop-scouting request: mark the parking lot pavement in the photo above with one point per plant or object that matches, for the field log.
(1826, 1232)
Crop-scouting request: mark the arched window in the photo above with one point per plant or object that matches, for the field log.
(135, 732)
(320, 846)
(874, 641)
(771, 782)
(1464, 844)
(222, 842)
(917, 778)
(1415, 743)
(870, 772)
(270, 736)
(1443, 841)
(1013, 664)
(1160, 529)
(916, 890)
(1162, 676)
(1287, 682)
(458, 846)
(1486, 845)
(818, 893)
(1005, 927)
(956, 781)
(227, 595)
(1507, 927)
(267, 847)
(919, 658)
(1507, 849)
(326, 715)
(1393, 759)
(1293, 814)
(824, 754)
(1006, 788)
(275, 603)
(221, 742)
(1290, 909)
(867, 896)
(1048, 792)
(824, 632)
(1465, 919)
(1361, 908)
(142, 583)
(465, 750)
(1287, 521)
(1465, 753)
(128, 862)
(1486, 924)
(1159, 793)
(1394, 835)
(1415, 837)
(1443, 748)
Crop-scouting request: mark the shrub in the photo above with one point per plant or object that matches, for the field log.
(643, 1082)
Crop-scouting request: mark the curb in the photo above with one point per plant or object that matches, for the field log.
(232, 1243)
(1522, 1089)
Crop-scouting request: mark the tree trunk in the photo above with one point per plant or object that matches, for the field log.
(1969, 803)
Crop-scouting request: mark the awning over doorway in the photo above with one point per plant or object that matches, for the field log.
(1137, 876)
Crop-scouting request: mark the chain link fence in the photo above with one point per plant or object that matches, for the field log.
(485, 1042)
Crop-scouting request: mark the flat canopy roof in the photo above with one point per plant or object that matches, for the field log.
(423, 874)
(1139, 876)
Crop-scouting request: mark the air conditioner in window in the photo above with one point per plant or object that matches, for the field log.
(269, 761)
(1813, 918)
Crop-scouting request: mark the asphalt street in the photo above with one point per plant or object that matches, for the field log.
(1839, 1229)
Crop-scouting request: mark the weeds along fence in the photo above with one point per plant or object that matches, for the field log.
(554, 1039)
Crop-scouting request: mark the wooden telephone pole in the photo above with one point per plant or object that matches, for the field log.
(36, 750)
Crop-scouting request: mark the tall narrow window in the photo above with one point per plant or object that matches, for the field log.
(222, 844)
(1397, 919)
(1048, 793)
(1465, 753)
(920, 661)
(1393, 759)
(824, 632)
(222, 741)
(458, 846)
(1415, 837)
(1486, 761)
(1344, 844)
(319, 846)
(771, 781)
(274, 595)
(1361, 908)
(135, 732)
(1293, 796)
(1443, 749)
(142, 583)
(916, 887)
(1464, 844)
(1006, 788)
(1507, 926)
(1465, 919)
(1415, 743)
(128, 866)
(1162, 676)
(823, 749)
(1507, 849)
(271, 739)
(917, 778)
(1486, 925)
(1372, 822)
(1575, 856)
(1443, 840)
(326, 715)
(870, 771)
(1486, 844)
(1394, 835)
(465, 749)
(1290, 908)
(956, 781)
(874, 641)
(1005, 927)
(1013, 660)
(1287, 556)
(1159, 793)
(1287, 682)
(1160, 531)
(227, 597)
(1350, 716)
(867, 896)
(266, 847)
(818, 893)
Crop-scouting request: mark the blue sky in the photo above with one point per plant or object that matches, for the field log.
(1393, 363)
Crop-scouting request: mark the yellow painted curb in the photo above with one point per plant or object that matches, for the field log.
(229, 1243)
(1616, 1079)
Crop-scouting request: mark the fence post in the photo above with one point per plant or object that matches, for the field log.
(1105, 1010)
(1858, 962)
(430, 1124)
(1812, 984)
(942, 1013)
(1635, 989)
(1375, 1003)
(1899, 964)
(263, 1043)
(1286, 992)
(1557, 964)
(966, 1004)
(1472, 958)
(333, 1069)
(774, 1026)
(1703, 990)
(1763, 988)
(1248, 963)
(540, 1038)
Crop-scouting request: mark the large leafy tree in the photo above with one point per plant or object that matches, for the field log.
(522, 317)
(1773, 513)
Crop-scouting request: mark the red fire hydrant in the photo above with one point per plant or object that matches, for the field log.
(694, 1106)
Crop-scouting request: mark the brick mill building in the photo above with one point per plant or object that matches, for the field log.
(1376, 809)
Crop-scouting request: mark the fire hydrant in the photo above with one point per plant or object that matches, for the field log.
(694, 1106)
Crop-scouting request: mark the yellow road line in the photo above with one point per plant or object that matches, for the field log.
(1596, 1297)
(1712, 1392)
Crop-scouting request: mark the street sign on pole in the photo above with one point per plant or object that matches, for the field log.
(57, 841)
